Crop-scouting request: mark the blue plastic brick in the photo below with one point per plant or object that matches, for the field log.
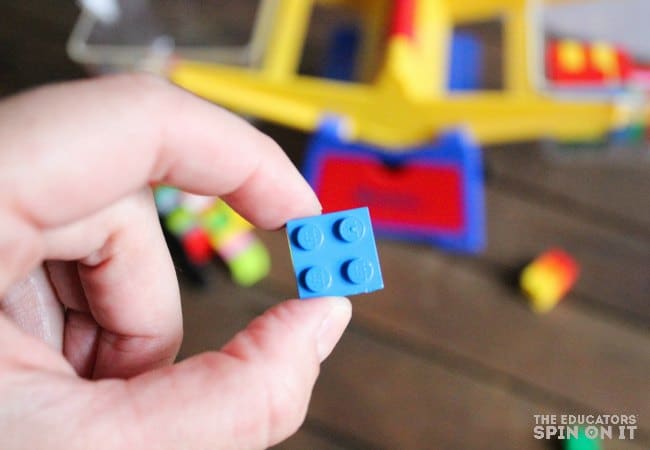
(334, 254)
(342, 53)
(466, 65)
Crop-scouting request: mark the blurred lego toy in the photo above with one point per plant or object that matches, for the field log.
(596, 64)
(207, 225)
(581, 442)
(334, 254)
(433, 193)
(406, 57)
(579, 68)
(548, 278)
(465, 67)
(403, 97)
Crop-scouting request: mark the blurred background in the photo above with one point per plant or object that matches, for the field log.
(548, 106)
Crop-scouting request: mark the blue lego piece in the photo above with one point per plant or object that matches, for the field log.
(334, 254)
(341, 56)
(466, 66)
(167, 199)
(401, 195)
(629, 135)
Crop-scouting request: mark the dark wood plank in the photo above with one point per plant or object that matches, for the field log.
(381, 395)
(614, 191)
(401, 401)
(305, 439)
(441, 303)
(615, 265)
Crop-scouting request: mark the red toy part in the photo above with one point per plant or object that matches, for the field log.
(640, 75)
(576, 63)
(403, 18)
(395, 196)
(562, 265)
(625, 64)
(196, 244)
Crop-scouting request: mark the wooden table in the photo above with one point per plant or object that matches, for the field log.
(447, 355)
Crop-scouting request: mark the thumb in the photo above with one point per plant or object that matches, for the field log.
(254, 393)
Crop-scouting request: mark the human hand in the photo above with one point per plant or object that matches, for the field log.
(88, 337)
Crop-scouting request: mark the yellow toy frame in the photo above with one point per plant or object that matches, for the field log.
(407, 103)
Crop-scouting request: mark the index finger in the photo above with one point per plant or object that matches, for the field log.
(71, 149)
(86, 144)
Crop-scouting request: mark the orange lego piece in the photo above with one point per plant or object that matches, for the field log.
(548, 278)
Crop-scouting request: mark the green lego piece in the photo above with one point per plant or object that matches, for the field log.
(214, 220)
(582, 442)
(180, 221)
(250, 266)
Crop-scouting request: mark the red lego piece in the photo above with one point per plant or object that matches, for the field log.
(196, 244)
(625, 64)
(403, 18)
(563, 265)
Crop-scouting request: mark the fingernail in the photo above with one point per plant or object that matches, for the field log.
(332, 327)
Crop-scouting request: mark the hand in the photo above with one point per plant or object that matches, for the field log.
(87, 338)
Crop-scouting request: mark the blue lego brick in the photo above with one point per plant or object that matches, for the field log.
(334, 254)
(342, 53)
(466, 65)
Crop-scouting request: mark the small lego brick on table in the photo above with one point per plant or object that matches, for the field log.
(548, 278)
(582, 442)
(204, 226)
(233, 239)
(334, 254)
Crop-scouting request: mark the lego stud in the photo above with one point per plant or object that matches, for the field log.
(316, 279)
(350, 229)
(309, 237)
(358, 270)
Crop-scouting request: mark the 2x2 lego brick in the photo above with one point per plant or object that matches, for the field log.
(334, 254)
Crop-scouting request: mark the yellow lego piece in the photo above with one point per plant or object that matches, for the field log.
(572, 57)
(604, 58)
(223, 224)
(542, 288)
